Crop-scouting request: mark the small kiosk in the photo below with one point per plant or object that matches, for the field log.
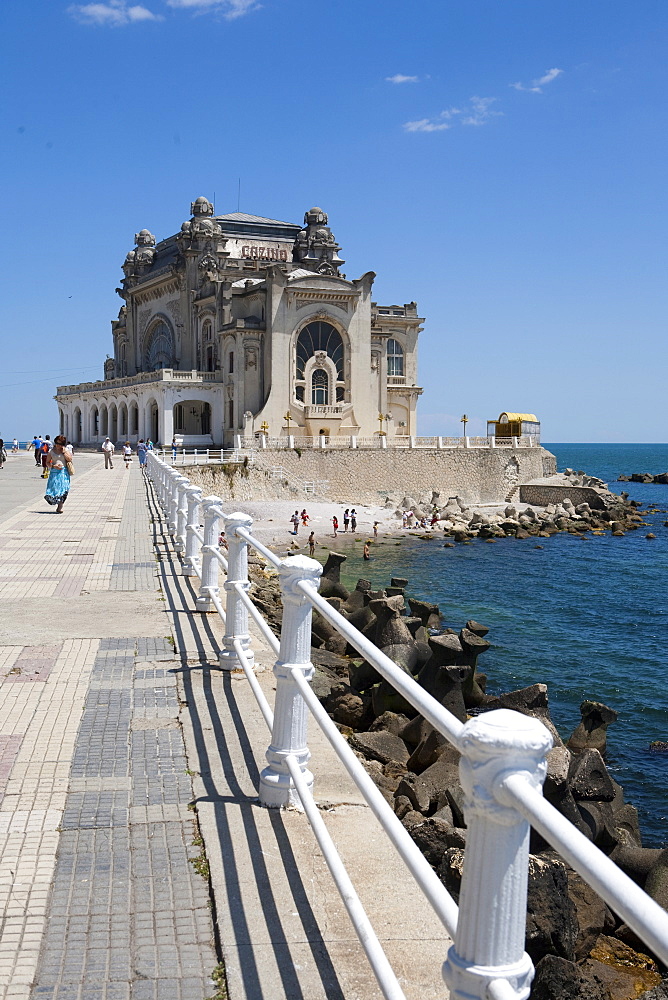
(514, 425)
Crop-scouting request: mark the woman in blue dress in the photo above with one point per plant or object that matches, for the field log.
(58, 485)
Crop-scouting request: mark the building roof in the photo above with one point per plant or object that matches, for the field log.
(528, 417)
(243, 217)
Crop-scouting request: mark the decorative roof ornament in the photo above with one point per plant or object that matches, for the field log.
(316, 248)
(201, 206)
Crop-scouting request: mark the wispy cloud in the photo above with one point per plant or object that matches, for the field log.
(537, 85)
(478, 111)
(114, 14)
(400, 78)
(230, 9)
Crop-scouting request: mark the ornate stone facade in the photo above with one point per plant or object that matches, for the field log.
(237, 323)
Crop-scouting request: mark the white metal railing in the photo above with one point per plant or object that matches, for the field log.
(502, 766)
(327, 442)
(205, 456)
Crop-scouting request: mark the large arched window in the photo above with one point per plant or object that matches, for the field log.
(319, 387)
(395, 358)
(319, 338)
(159, 351)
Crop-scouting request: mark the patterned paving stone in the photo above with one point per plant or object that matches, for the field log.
(99, 899)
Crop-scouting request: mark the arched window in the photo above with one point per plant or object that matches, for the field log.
(319, 387)
(395, 358)
(159, 351)
(319, 338)
(230, 362)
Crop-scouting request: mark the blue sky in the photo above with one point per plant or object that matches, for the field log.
(502, 163)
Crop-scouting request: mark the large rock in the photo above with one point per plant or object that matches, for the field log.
(656, 884)
(391, 628)
(551, 925)
(558, 979)
(381, 746)
(624, 971)
(593, 916)
(434, 837)
(330, 582)
(589, 779)
(391, 722)
(531, 701)
(428, 613)
(444, 683)
(636, 862)
(592, 732)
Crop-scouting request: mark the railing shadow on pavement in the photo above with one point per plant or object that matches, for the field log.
(180, 597)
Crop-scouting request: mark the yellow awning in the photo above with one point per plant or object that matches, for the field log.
(529, 417)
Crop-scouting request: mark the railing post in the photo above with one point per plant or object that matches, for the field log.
(236, 613)
(492, 441)
(439, 443)
(290, 711)
(193, 500)
(514, 442)
(353, 441)
(182, 485)
(173, 503)
(489, 943)
(209, 582)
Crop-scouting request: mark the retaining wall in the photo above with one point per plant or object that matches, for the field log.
(536, 493)
(369, 477)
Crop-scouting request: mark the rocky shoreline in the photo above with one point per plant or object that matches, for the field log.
(580, 948)
(645, 477)
(463, 522)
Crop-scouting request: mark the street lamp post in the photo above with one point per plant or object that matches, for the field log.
(380, 421)
(465, 421)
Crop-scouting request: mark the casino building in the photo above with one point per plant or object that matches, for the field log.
(240, 325)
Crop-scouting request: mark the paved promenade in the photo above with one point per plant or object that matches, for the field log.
(128, 774)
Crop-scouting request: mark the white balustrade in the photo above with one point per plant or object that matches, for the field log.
(182, 485)
(209, 588)
(236, 612)
(191, 565)
(288, 736)
(501, 769)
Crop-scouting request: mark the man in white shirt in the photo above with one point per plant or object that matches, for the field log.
(108, 449)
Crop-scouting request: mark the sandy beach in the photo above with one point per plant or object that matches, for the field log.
(271, 524)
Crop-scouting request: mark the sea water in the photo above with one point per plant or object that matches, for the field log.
(587, 617)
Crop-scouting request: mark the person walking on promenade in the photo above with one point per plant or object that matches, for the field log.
(335, 524)
(127, 454)
(44, 450)
(60, 464)
(149, 445)
(36, 444)
(353, 520)
(346, 519)
(294, 520)
(174, 446)
(15, 446)
(311, 544)
(108, 449)
(3, 453)
(142, 449)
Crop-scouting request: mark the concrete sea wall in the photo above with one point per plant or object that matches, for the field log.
(369, 477)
